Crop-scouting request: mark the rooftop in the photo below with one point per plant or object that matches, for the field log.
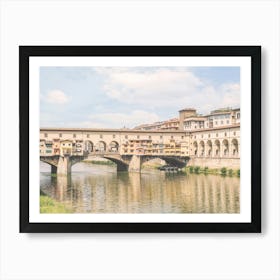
(187, 109)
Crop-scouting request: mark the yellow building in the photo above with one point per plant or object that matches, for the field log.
(66, 147)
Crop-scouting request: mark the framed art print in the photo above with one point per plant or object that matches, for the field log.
(140, 138)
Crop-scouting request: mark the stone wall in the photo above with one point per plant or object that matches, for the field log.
(230, 163)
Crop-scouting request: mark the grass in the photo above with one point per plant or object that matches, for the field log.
(215, 171)
(49, 205)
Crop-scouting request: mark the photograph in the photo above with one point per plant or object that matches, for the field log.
(140, 139)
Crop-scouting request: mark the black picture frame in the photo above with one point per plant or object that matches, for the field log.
(254, 52)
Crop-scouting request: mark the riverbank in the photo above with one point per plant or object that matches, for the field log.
(193, 169)
(49, 205)
(224, 171)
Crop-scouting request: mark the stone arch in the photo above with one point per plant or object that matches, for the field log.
(201, 148)
(225, 148)
(235, 150)
(121, 164)
(174, 161)
(209, 148)
(52, 161)
(195, 146)
(101, 146)
(170, 160)
(217, 148)
(114, 146)
(88, 146)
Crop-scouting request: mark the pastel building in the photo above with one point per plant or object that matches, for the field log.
(211, 140)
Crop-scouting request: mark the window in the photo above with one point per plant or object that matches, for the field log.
(101, 136)
(225, 134)
(114, 136)
(87, 135)
(150, 137)
(160, 137)
(172, 137)
(238, 115)
(222, 122)
(60, 134)
(234, 133)
(74, 135)
(125, 137)
(209, 135)
(217, 135)
(46, 134)
(227, 121)
(182, 137)
(138, 137)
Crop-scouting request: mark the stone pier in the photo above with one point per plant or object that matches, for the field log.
(64, 165)
(61, 164)
(135, 164)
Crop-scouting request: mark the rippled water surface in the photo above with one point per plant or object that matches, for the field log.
(100, 189)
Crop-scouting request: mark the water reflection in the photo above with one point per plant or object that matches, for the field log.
(100, 189)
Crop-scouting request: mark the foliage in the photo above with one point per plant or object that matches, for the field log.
(196, 169)
(230, 172)
(49, 205)
(224, 171)
(214, 171)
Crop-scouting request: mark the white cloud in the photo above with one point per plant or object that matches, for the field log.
(118, 120)
(159, 86)
(165, 87)
(56, 97)
(231, 95)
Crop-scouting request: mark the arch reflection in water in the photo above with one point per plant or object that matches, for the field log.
(100, 189)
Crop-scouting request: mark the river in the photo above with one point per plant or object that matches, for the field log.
(95, 188)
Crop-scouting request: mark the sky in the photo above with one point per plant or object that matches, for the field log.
(118, 97)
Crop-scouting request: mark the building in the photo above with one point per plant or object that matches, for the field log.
(190, 121)
(56, 146)
(48, 147)
(223, 117)
(211, 140)
(193, 123)
(185, 113)
(171, 124)
(42, 146)
(66, 147)
(151, 126)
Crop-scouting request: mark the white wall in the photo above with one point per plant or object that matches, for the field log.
(139, 256)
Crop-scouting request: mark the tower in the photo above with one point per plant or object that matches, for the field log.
(185, 113)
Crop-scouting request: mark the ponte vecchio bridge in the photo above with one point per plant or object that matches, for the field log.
(63, 147)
